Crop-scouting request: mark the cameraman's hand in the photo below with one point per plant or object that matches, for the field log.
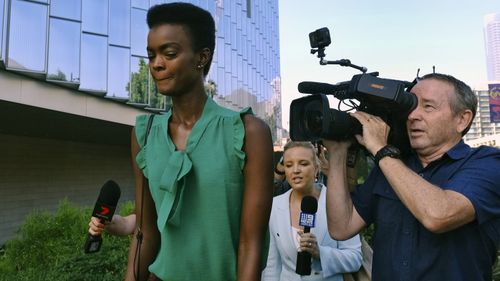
(336, 148)
(324, 165)
(375, 131)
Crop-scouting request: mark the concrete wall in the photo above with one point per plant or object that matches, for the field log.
(57, 142)
(36, 173)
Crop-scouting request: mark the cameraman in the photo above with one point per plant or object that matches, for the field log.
(436, 212)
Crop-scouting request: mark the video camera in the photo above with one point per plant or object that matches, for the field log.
(312, 119)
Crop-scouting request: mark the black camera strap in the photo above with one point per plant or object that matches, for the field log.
(139, 235)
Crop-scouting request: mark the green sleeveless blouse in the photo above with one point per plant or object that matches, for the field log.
(197, 192)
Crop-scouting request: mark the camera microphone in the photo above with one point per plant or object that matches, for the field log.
(308, 209)
(339, 91)
(104, 210)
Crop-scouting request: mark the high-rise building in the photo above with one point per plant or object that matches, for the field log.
(74, 75)
(482, 125)
(492, 45)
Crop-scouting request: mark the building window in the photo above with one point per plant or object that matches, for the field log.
(139, 30)
(143, 4)
(157, 100)
(138, 88)
(94, 63)
(118, 72)
(119, 23)
(95, 16)
(64, 51)
(68, 9)
(27, 39)
(220, 52)
(155, 2)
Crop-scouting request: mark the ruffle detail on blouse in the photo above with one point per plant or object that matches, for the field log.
(178, 166)
(141, 123)
(239, 135)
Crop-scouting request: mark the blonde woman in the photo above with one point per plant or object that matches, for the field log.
(330, 258)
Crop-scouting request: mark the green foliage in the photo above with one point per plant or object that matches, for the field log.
(496, 268)
(367, 234)
(138, 85)
(211, 88)
(60, 76)
(50, 247)
(363, 168)
(142, 88)
(272, 122)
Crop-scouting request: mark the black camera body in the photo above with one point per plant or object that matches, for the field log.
(320, 38)
(312, 119)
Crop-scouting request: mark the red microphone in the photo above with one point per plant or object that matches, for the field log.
(104, 210)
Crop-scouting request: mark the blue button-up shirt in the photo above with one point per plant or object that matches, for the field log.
(405, 250)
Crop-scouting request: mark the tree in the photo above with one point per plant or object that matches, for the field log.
(211, 88)
(60, 76)
(137, 88)
(142, 88)
(271, 122)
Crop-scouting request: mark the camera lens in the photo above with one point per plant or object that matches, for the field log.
(314, 122)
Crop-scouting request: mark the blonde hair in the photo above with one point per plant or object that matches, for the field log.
(304, 144)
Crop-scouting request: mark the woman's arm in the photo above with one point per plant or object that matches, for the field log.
(257, 199)
(121, 226)
(151, 238)
(346, 257)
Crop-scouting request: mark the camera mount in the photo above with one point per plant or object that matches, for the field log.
(312, 119)
(320, 39)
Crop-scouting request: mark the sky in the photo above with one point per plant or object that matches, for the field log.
(393, 37)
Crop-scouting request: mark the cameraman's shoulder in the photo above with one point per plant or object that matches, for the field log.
(486, 150)
(486, 158)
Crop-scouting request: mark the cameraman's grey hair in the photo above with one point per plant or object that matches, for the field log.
(464, 96)
(304, 144)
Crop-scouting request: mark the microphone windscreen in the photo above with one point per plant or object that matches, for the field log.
(309, 205)
(308, 87)
(110, 193)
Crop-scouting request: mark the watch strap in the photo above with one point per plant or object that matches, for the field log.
(388, 150)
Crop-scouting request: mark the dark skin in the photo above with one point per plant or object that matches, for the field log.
(175, 67)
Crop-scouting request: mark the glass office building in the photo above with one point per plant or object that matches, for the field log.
(98, 47)
(74, 75)
(492, 45)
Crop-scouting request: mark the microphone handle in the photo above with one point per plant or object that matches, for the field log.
(303, 266)
(93, 243)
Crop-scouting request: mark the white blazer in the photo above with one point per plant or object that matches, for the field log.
(336, 257)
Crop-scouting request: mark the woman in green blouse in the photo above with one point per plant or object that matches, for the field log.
(208, 196)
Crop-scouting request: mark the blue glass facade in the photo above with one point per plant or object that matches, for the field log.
(99, 47)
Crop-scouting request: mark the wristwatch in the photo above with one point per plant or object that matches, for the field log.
(388, 150)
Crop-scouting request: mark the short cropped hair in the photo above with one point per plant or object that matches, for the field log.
(464, 96)
(199, 23)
